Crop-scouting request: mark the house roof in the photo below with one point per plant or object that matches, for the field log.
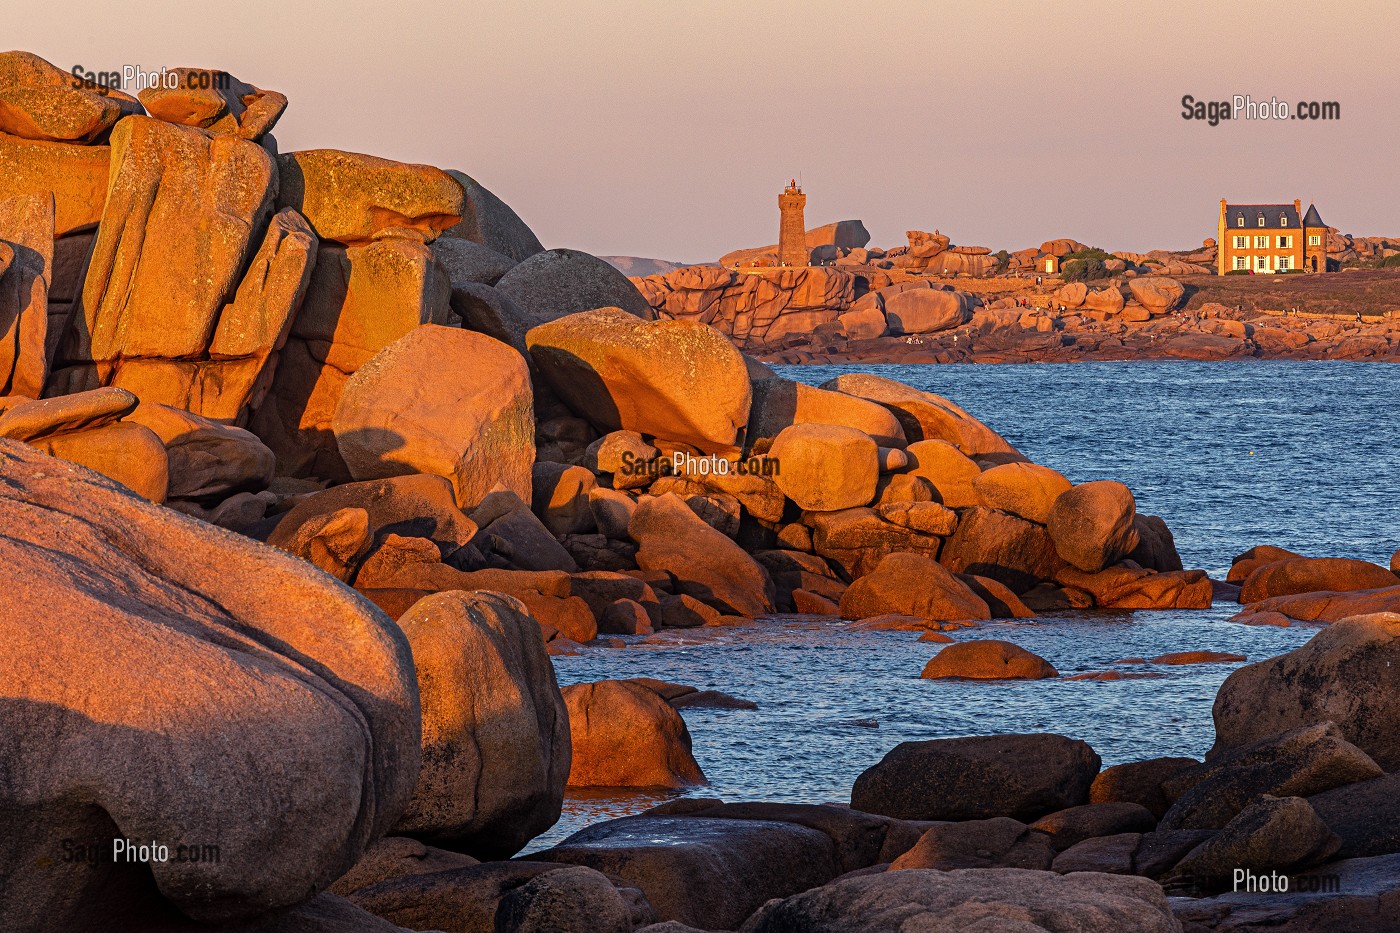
(1312, 218)
(1270, 212)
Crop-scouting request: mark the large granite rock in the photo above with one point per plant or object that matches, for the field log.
(1124, 587)
(462, 899)
(1364, 814)
(352, 198)
(707, 565)
(709, 873)
(195, 679)
(86, 428)
(495, 729)
(924, 310)
(779, 403)
(571, 900)
(444, 401)
(360, 299)
(996, 899)
(826, 467)
(912, 585)
(235, 369)
(207, 460)
(923, 415)
(759, 306)
(948, 471)
(1349, 673)
(1321, 607)
(469, 263)
(1092, 524)
(26, 269)
(1157, 293)
(978, 777)
(1294, 575)
(559, 282)
(1297, 763)
(215, 101)
(179, 199)
(1000, 842)
(1355, 894)
(624, 735)
(488, 220)
(676, 380)
(1139, 782)
(38, 101)
(987, 659)
(1013, 551)
(75, 175)
(1271, 833)
(419, 506)
(1026, 490)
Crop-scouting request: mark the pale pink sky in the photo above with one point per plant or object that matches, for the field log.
(666, 129)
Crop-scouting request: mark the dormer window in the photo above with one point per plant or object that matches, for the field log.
(1283, 220)
(1239, 221)
(1261, 220)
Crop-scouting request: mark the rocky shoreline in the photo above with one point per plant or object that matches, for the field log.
(1212, 332)
(310, 461)
(855, 314)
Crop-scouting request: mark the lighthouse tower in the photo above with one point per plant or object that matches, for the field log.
(792, 229)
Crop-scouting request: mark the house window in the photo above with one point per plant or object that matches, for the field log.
(1315, 240)
(1283, 220)
(1241, 242)
(1241, 262)
(1261, 242)
(1285, 242)
(1239, 221)
(1261, 220)
(1261, 263)
(1284, 263)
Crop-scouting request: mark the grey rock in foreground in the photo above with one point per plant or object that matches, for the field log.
(1356, 894)
(998, 899)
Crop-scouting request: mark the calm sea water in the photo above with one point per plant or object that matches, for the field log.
(1299, 454)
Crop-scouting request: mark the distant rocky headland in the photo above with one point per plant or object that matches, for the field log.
(933, 302)
(311, 461)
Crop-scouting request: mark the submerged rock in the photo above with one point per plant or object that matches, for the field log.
(988, 659)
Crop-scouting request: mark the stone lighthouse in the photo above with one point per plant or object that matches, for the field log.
(792, 229)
